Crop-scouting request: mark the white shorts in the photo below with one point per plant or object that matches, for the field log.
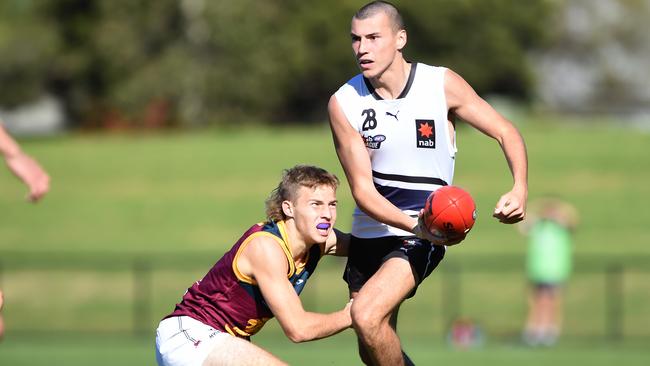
(183, 341)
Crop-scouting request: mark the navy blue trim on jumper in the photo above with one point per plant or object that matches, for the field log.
(404, 92)
(404, 199)
(409, 179)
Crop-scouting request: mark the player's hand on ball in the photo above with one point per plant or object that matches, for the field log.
(435, 236)
(420, 230)
(449, 214)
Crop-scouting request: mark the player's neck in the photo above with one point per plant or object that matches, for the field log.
(296, 244)
(391, 83)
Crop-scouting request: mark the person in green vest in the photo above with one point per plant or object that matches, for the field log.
(549, 229)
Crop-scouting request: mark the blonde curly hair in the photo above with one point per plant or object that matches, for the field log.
(292, 179)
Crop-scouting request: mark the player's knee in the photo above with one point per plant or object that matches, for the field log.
(360, 320)
(364, 322)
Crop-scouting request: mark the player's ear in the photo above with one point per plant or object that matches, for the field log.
(401, 39)
(287, 208)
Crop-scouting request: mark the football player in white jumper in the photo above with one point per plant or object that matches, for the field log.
(394, 132)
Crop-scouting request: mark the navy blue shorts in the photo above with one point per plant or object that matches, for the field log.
(365, 256)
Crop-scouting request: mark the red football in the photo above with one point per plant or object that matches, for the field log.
(451, 210)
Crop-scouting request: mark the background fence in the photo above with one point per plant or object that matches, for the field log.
(607, 297)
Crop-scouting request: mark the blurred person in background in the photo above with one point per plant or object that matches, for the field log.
(24, 167)
(260, 278)
(394, 130)
(548, 265)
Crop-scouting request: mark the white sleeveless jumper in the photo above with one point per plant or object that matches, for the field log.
(407, 138)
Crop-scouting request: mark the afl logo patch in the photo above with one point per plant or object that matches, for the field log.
(374, 142)
(425, 133)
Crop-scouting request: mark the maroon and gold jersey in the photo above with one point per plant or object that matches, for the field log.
(230, 301)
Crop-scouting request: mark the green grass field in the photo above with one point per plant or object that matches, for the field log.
(168, 192)
(179, 200)
(338, 350)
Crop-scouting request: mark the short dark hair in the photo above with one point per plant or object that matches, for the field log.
(292, 179)
(385, 7)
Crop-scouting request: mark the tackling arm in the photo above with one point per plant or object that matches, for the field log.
(465, 103)
(267, 264)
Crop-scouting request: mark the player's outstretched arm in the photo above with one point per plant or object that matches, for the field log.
(356, 165)
(24, 167)
(268, 265)
(463, 101)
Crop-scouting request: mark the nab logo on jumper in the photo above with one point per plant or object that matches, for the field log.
(425, 134)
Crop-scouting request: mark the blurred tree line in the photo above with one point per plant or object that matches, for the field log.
(599, 59)
(126, 63)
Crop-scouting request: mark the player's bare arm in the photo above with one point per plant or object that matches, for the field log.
(265, 262)
(8, 147)
(463, 101)
(356, 165)
(24, 167)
